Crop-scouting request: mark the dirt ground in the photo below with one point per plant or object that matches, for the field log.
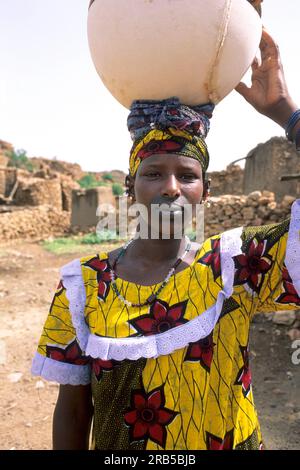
(28, 278)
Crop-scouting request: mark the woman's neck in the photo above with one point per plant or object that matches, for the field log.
(157, 251)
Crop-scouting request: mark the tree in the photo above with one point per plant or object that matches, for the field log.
(89, 181)
(19, 159)
(108, 177)
(117, 189)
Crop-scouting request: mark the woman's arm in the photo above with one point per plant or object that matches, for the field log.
(269, 93)
(72, 418)
(277, 281)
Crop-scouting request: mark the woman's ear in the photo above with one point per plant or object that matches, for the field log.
(129, 183)
(206, 190)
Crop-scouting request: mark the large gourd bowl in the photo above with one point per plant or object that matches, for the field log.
(197, 50)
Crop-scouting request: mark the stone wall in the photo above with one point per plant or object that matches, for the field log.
(33, 223)
(38, 191)
(8, 178)
(258, 208)
(267, 163)
(35, 191)
(57, 166)
(85, 203)
(4, 147)
(67, 187)
(227, 181)
(3, 160)
(2, 181)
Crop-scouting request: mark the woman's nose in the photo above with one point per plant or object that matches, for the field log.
(171, 187)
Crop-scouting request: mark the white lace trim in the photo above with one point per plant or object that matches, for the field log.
(60, 372)
(75, 292)
(153, 346)
(292, 259)
(156, 345)
(231, 245)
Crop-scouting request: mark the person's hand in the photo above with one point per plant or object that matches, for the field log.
(268, 93)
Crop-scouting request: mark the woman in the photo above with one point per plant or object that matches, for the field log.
(152, 346)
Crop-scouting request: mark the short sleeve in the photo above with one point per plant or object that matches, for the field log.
(267, 268)
(59, 355)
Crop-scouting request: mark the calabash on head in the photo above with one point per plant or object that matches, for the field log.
(197, 50)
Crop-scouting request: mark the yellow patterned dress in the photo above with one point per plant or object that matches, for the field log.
(174, 375)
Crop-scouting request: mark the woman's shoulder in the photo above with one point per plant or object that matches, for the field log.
(94, 261)
(100, 257)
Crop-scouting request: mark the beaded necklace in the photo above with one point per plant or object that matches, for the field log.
(153, 296)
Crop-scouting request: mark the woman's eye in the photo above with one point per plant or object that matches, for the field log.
(185, 177)
(188, 177)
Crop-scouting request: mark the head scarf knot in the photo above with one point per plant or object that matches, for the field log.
(168, 126)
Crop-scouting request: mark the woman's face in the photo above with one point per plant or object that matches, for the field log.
(172, 180)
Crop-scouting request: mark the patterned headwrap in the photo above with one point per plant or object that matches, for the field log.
(168, 126)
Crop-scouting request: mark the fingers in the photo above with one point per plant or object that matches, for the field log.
(266, 36)
(243, 90)
(268, 46)
(255, 64)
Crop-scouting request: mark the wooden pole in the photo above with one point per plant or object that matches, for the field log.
(289, 177)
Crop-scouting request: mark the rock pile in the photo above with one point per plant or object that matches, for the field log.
(258, 208)
(33, 223)
(227, 181)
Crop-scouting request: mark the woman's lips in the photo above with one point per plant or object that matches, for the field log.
(169, 209)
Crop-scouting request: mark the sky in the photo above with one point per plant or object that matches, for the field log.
(53, 104)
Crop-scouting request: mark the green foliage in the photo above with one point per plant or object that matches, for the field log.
(117, 189)
(108, 177)
(99, 237)
(191, 234)
(61, 245)
(80, 244)
(89, 239)
(19, 159)
(89, 181)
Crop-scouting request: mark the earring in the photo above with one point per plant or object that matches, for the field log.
(207, 203)
(130, 194)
